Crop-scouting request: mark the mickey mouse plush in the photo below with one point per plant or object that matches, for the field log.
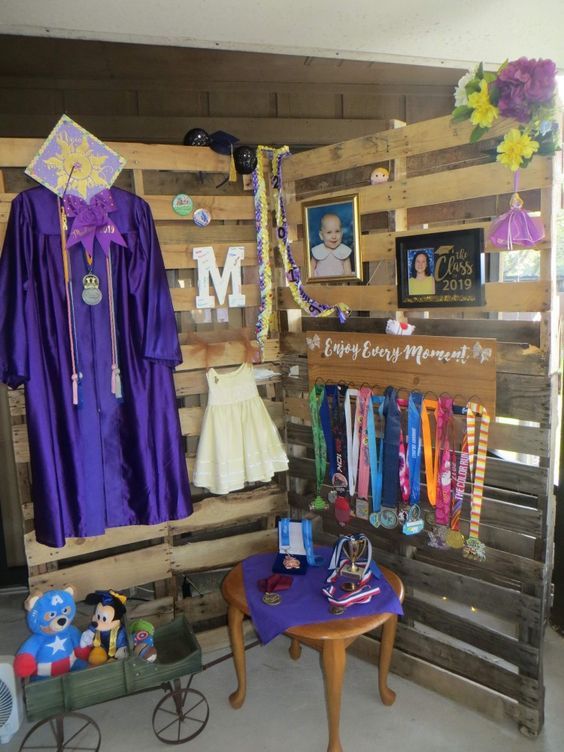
(53, 648)
(106, 634)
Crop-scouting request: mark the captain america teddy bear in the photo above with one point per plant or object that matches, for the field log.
(54, 647)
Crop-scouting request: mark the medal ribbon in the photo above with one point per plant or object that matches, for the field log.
(327, 410)
(316, 396)
(404, 480)
(340, 437)
(414, 444)
(460, 485)
(443, 449)
(363, 406)
(376, 452)
(478, 473)
(431, 459)
(391, 448)
(352, 442)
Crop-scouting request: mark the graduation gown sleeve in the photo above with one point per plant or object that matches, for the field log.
(14, 358)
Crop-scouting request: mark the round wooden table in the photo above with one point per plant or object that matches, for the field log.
(330, 638)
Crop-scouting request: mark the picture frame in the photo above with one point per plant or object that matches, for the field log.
(332, 239)
(440, 269)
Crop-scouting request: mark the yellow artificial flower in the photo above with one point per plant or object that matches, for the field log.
(515, 147)
(484, 112)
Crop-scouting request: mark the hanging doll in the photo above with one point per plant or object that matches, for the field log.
(106, 634)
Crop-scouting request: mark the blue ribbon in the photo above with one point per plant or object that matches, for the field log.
(414, 444)
(376, 454)
(307, 534)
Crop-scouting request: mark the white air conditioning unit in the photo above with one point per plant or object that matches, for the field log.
(11, 700)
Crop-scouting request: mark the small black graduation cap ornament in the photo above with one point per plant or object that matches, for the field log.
(243, 158)
(196, 137)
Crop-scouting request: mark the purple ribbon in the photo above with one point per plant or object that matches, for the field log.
(92, 221)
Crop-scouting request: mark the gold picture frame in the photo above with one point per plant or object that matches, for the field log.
(332, 239)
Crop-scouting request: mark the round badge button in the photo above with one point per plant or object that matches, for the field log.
(182, 204)
(201, 217)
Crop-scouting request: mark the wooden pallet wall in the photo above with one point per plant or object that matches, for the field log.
(472, 631)
(222, 530)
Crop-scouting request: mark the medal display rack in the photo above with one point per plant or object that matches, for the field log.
(494, 609)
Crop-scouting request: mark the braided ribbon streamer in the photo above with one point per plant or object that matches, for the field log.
(291, 268)
(474, 548)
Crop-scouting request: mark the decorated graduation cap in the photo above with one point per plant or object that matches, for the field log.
(243, 158)
(73, 162)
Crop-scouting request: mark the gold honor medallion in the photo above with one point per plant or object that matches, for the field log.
(336, 610)
(271, 599)
(454, 539)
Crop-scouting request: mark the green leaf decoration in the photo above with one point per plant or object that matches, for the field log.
(480, 71)
(461, 113)
(472, 86)
(477, 133)
(490, 77)
(503, 65)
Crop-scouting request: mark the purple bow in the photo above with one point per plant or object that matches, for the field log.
(92, 221)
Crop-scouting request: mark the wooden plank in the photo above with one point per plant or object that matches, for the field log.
(459, 661)
(423, 363)
(500, 296)
(234, 234)
(184, 299)
(158, 611)
(218, 512)
(220, 207)
(418, 138)
(224, 552)
(117, 572)
(455, 688)
(438, 188)
(490, 640)
(500, 329)
(195, 357)
(179, 255)
(18, 152)
(37, 553)
(203, 607)
(171, 129)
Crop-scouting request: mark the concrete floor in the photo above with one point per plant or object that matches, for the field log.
(285, 708)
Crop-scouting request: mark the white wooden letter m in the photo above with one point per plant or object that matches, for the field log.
(207, 267)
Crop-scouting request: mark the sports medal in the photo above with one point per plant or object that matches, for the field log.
(271, 599)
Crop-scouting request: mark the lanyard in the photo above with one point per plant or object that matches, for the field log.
(316, 396)
(403, 470)
(474, 549)
(352, 442)
(376, 452)
(325, 415)
(431, 459)
(443, 450)
(391, 448)
(339, 478)
(363, 407)
(414, 444)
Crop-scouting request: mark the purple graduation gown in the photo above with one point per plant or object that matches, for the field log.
(105, 463)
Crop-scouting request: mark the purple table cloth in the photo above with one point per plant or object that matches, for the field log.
(304, 602)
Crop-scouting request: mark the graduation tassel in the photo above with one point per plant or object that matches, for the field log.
(232, 170)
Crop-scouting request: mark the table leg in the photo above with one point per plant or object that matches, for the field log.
(235, 625)
(295, 649)
(387, 695)
(333, 659)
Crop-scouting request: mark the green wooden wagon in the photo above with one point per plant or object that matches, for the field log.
(178, 717)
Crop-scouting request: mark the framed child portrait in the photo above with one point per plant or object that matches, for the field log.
(440, 269)
(332, 239)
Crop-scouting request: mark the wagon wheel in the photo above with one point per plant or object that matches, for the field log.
(181, 714)
(64, 733)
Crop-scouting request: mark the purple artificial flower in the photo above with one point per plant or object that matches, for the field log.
(523, 84)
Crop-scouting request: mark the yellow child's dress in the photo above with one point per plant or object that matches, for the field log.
(239, 443)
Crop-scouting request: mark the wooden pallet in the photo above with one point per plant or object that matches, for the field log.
(473, 631)
(222, 530)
